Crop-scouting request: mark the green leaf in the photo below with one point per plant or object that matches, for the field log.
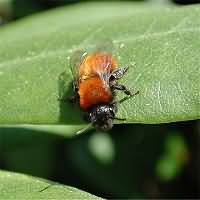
(19, 186)
(161, 46)
(63, 130)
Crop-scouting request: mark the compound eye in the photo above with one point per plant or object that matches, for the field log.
(92, 117)
(111, 110)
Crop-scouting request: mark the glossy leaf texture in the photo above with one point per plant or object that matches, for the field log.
(160, 45)
(19, 186)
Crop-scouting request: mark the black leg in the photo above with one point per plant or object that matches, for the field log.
(68, 99)
(122, 88)
(121, 119)
(118, 73)
(128, 97)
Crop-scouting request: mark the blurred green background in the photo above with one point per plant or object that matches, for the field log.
(146, 161)
(129, 161)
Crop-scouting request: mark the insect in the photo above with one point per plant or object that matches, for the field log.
(95, 82)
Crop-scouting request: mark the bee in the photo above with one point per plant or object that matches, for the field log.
(95, 80)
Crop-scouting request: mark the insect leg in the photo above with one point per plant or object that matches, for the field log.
(121, 87)
(68, 99)
(122, 100)
(127, 97)
(118, 73)
(72, 98)
(121, 119)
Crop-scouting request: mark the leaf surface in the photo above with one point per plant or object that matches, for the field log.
(160, 45)
(19, 186)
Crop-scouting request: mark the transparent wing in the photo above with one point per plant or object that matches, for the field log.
(104, 69)
(76, 59)
(102, 65)
(100, 45)
(105, 46)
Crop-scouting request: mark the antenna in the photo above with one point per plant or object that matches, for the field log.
(88, 127)
(120, 119)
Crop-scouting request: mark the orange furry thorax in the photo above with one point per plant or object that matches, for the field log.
(93, 92)
(96, 62)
